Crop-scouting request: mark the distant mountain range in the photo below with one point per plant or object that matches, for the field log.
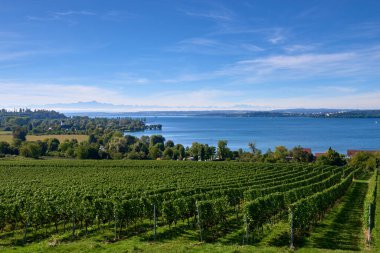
(96, 109)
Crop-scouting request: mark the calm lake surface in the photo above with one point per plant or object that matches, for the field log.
(317, 134)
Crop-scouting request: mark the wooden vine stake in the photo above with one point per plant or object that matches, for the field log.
(246, 230)
(291, 229)
(369, 226)
(199, 224)
(155, 222)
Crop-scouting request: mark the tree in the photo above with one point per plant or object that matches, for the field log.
(133, 155)
(30, 149)
(19, 133)
(4, 147)
(145, 139)
(209, 152)
(92, 138)
(253, 148)
(331, 157)
(157, 139)
(154, 152)
(193, 150)
(364, 161)
(181, 151)
(300, 155)
(280, 154)
(140, 147)
(168, 154)
(86, 150)
(52, 144)
(169, 144)
(130, 139)
(223, 150)
(269, 156)
(117, 145)
(67, 148)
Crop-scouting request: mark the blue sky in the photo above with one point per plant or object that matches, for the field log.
(184, 55)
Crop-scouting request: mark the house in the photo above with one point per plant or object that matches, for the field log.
(352, 152)
(307, 150)
(319, 154)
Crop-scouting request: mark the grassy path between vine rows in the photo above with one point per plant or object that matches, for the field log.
(341, 229)
(376, 231)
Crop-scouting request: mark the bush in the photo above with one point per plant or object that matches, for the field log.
(31, 149)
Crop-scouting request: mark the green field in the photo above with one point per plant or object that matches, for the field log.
(108, 206)
(7, 136)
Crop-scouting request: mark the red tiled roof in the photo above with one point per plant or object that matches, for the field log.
(352, 152)
(307, 150)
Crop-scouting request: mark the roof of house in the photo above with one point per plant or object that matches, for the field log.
(308, 150)
(352, 152)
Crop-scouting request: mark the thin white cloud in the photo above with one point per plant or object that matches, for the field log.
(217, 15)
(71, 12)
(276, 39)
(339, 89)
(12, 55)
(364, 30)
(209, 46)
(61, 16)
(25, 94)
(118, 15)
(298, 61)
(7, 56)
(297, 48)
(13, 93)
(367, 100)
(129, 79)
(252, 47)
(276, 35)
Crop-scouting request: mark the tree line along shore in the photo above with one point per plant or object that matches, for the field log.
(43, 133)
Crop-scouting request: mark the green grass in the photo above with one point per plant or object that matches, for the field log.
(7, 136)
(135, 245)
(60, 137)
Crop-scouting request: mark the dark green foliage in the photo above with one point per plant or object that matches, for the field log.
(86, 150)
(223, 151)
(31, 149)
(5, 147)
(212, 212)
(331, 157)
(19, 133)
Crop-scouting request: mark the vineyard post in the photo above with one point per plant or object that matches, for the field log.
(369, 225)
(291, 229)
(155, 222)
(115, 216)
(246, 229)
(73, 228)
(199, 223)
(26, 225)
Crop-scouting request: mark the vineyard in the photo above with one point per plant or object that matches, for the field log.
(211, 202)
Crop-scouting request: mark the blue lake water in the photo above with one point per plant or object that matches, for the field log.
(317, 134)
